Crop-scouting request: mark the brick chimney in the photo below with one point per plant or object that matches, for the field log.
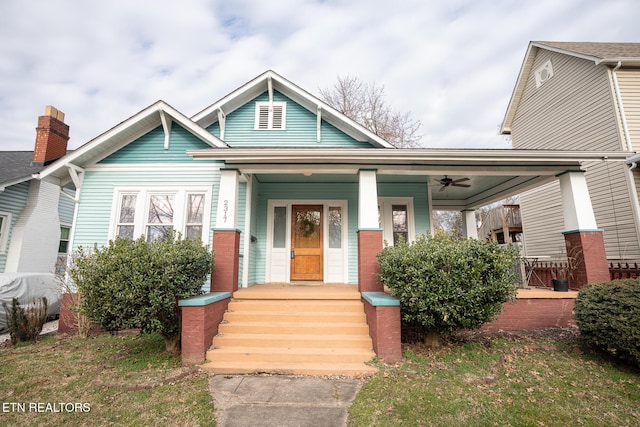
(51, 137)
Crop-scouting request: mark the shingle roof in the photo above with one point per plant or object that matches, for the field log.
(598, 49)
(16, 166)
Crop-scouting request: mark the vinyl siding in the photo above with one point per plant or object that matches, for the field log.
(629, 83)
(301, 128)
(13, 200)
(65, 209)
(543, 221)
(94, 211)
(256, 250)
(331, 191)
(575, 110)
(149, 148)
(610, 196)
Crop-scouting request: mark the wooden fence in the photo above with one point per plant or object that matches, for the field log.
(542, 274)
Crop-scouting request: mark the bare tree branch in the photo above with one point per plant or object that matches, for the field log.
(366, 104)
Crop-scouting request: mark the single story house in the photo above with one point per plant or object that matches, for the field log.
(288, 190)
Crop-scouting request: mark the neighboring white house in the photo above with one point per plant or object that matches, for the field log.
(35, 216)
(581, 96)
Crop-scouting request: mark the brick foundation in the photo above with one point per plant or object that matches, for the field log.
(587, 247)
(68, 322)
(369, 245)
(226, 248)
(530, 314)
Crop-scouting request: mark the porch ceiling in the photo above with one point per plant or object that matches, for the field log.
(493, 174)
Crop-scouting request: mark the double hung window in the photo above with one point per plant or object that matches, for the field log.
(156, 213)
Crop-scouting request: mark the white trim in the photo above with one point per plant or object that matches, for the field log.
(156, 167)
(270, 106)
(142, 204)
(5, 227)
(385, 205)
(326, 204)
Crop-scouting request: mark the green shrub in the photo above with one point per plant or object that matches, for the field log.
(608, 316)
(133, 283)
(25, 323)
(445, 284)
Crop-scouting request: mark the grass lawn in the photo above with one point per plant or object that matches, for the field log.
(544, 379)
(115, 380)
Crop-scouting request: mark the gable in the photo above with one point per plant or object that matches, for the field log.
(299, 127)
(149, 148)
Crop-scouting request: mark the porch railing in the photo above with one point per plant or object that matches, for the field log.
(543, 272)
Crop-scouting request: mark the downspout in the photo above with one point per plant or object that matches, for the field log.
(635, 203)
(625, 126)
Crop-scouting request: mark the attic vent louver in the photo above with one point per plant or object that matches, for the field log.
(544, 73)
(270, 118)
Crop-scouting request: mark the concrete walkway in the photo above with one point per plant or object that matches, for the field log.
(284, 401)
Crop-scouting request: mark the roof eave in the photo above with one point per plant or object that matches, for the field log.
(90, 152)
(258, 85)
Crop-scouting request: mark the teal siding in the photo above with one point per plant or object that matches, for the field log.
(255, 248)
(301, 125)
(65, 209)
(13, 200)
(307, 191)
(96, 198)
(149, 148)
(263, 192)
(420, 202)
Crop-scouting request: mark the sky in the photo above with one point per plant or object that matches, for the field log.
(452, 64)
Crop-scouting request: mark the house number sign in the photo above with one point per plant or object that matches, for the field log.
(225, 209)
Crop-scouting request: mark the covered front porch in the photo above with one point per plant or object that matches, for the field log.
(256, 183)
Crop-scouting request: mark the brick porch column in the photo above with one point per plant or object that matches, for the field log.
(226, 236)
(226, 249)
(369, 232)
(583, 240)
(369, 244)
(587, 247)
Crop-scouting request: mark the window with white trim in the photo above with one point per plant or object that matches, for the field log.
(63, 248)
(270, 116)
(154, 214)
(395, 217)
(5, 223)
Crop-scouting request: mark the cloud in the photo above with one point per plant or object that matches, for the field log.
(452, 64)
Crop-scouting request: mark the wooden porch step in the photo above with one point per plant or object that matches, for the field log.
(291, 341)
(293, 328)
(316, 336)
(291, 355)
(264, 316)
(307, 306)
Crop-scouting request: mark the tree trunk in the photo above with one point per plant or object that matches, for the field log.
(433, 340)
(172, 344)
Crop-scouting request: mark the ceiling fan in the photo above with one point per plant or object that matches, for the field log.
(449, 182)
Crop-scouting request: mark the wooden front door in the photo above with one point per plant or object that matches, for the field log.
(306, 243)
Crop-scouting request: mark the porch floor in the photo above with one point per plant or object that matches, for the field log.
(299, 291)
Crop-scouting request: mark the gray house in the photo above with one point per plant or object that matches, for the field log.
(581, 96)
(35, 216)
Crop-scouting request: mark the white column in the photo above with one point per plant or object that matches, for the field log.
(368, 200)
(227, 216)
(576, 202)
(469, 227)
